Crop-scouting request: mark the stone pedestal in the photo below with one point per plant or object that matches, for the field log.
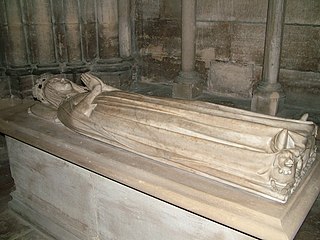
(268, 99)
(188, 85)
(71, 203)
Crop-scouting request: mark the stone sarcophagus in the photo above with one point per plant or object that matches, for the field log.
(155, 168)
(261, 154)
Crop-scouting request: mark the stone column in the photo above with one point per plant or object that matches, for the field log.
(124, 28)
(188, 84)
(269, 95)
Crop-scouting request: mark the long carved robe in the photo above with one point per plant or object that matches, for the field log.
(262, 154)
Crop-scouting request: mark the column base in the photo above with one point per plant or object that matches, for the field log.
(268, 99)
(187, 85)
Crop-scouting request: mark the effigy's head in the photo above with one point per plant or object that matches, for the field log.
(53, 90)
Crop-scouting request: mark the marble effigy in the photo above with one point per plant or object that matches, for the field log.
(264, 155)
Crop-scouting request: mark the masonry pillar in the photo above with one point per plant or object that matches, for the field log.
(188, 84)
(269, 95)
(124, 28)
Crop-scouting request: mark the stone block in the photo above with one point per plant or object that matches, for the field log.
(247, 44)
(230, 10)
(70, 202)
(267, 102)
(186, 90)
(156, 70)
(164, 33)
(69, 199)
(300, 48)
(214, 35)
(206, 55)
(160, 47)
(117, 74)
(253, 11)
(302, 89)
(215, 10)
(4, 87)
(187, 86)
(231, 78)
(303, 12)
(170, 9)
(131, 213)
(150, 9)
(26, 84)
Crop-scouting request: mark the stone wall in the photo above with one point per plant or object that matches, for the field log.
(61, 37)
(230, 32)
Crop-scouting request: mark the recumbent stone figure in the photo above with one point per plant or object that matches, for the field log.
(261, 154)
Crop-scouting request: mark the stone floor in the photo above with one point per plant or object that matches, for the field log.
(12, 227)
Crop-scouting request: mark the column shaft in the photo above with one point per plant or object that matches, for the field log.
(273, 42)
(188, 35)
(269, 96)
(124, 28)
